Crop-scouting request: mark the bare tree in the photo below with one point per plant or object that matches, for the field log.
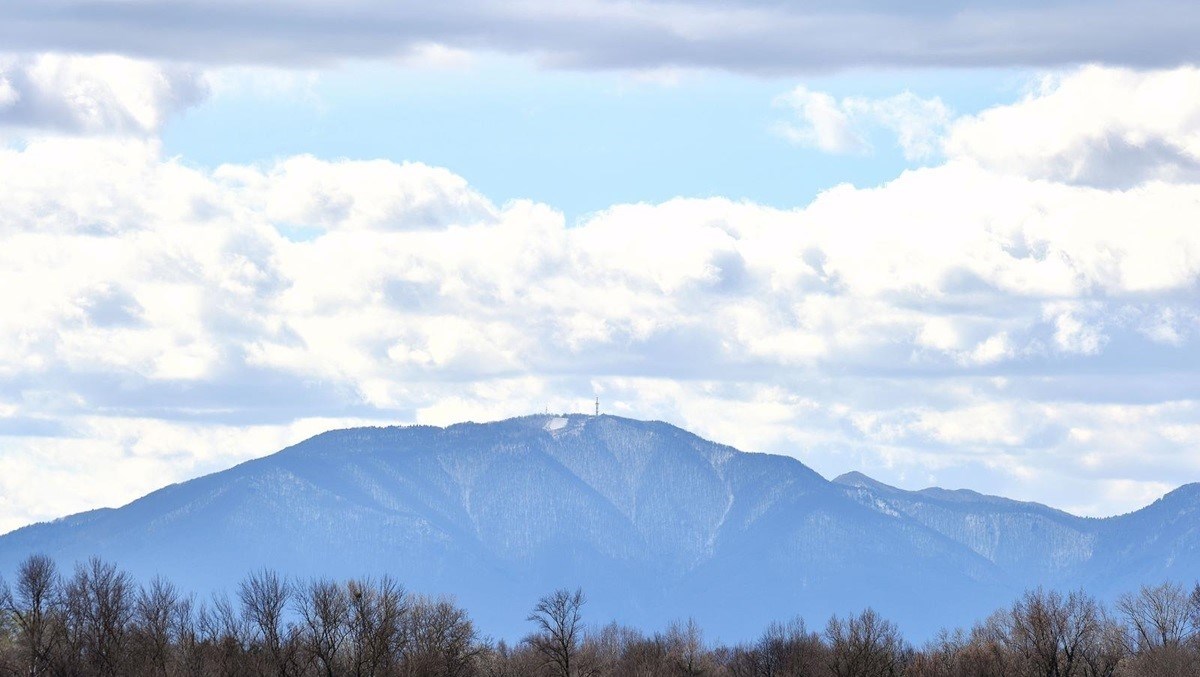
(377, 612)
(685, 647)
(156, 617)
(440, 640)
(33, 605)
(990, 651)
(500, 660)
(185, 628)
(100, 602)
(264, 596)
(559, 630)
(941, 657)
(643, 657)
(1161, 630)
(1104, 650)
(324, 609)
(1158, 616)
(225, 636)
(8, 658)
(791, 649)
(1053, 633)
(98, 624)
(865, 646)
(621, 650)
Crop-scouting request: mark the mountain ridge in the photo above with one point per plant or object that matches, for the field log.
(654, 521)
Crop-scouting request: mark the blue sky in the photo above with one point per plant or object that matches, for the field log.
(580, 141)
(953, 246)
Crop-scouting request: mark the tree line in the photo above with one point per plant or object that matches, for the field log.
(98, 621)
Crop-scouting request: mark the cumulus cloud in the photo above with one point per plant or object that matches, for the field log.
(365, 195)
(742, 36)
(1101, 127)
(844, 126)
(1107, 128)
(961, 323)
(1039, 448)
(93, 94)
(824, 123)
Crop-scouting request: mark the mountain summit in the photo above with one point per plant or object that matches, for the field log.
(652, 521)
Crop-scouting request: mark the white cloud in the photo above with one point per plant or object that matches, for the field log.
(434, 56)
(8, 94)
(348, 194)
(1073, 334)
(1109, 128)
(998, 423)
(1169, 325)
(993, 349)
(939, 333)
(869, 328)
(845, 126)
(917, 123)
(106, 461)
(93, 94)
(823, 123)
(1103, 127)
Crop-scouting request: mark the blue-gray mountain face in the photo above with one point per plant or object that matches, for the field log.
(653, 522)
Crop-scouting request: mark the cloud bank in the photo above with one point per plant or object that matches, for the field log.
(1107, 128)
(744, 36)
(91, 95)
(999, 319)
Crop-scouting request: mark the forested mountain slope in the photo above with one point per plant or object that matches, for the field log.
(653, 522)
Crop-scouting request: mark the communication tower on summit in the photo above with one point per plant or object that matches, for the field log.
(597, 405)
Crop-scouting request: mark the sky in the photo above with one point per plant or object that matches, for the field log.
(955, 244)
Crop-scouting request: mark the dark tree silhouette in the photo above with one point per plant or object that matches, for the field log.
(34, 607)
(324, 610)
(378, 612)
(865, 645)
(559, 621)
(441, 640)
(1052, 632)
(264, 596)
(99, 623)
(155, 618)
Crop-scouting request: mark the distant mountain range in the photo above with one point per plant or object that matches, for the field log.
(653, 522)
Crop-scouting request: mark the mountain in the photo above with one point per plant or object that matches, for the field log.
(653, 522)
(1026, 541)
(1036, 545)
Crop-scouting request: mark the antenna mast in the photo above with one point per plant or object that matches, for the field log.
(597, 405)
